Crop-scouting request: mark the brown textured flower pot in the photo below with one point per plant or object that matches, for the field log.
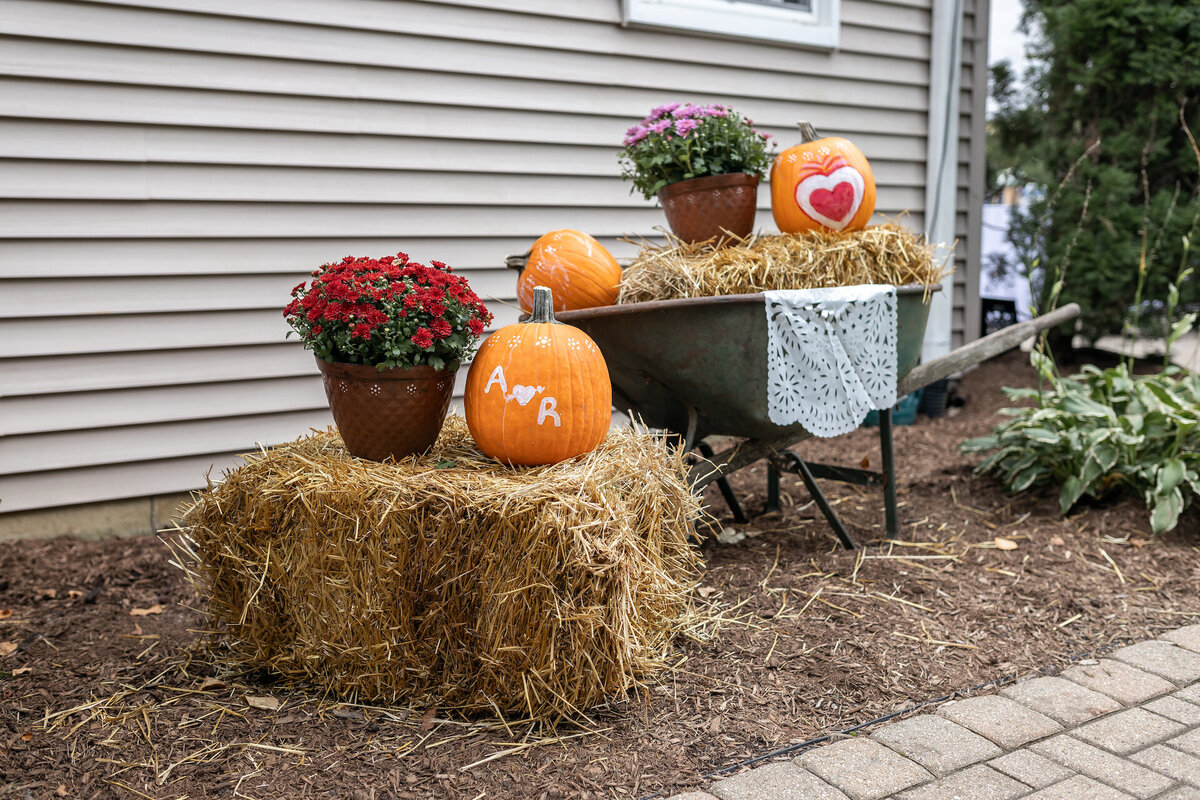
(387, 413)
(703, 208)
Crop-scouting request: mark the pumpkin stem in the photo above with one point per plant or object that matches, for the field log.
(518, 262)
(543, 305)
(807, 132)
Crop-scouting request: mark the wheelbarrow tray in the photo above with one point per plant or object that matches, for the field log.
(698, 366)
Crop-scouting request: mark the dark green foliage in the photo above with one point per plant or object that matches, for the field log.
(1100, 128)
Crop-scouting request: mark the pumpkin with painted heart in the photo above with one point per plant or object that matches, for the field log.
(538, 391)
(578, 269)
(822, 184)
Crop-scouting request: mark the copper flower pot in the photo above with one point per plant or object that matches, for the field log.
(387, 413)
(704, 208)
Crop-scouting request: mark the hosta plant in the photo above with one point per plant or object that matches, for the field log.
(1102, 431)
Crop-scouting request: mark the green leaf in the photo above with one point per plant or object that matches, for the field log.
(1165, 514)
(1023, 461)
(1072, 489)
(1027, 477)
(1042, 363)
(1170, 474)
(1121, 387)
(1043, 435)
(1056, 289)
(979, 444)
(996, 459)
(1081, 406)
(1181, 326)
(1106, 455)
(1164, 396)
(1092, 471)
(446, 464)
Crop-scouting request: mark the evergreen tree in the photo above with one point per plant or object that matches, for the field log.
(1103, 130)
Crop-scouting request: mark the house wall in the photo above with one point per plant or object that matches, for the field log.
(170, 169)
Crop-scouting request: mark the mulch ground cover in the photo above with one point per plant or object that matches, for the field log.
(108, 688)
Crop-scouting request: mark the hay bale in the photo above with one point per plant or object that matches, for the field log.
(878, 254)
(448, 578)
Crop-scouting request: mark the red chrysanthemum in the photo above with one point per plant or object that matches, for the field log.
(357, 309)
(423, 337)
(441, 329)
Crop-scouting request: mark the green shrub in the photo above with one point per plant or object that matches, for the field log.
(1104, 128)
(1101, 431)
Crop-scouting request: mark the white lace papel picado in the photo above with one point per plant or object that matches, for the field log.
(831, 356)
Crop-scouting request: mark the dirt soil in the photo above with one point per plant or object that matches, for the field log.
(107, 689)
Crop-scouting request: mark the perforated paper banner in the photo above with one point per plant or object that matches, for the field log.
(831, 356)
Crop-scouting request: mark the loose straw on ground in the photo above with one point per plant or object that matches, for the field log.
(448, 578)
(878, 254)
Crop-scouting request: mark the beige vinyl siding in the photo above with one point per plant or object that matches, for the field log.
(169, 170)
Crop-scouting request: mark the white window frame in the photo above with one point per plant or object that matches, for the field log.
(818, 28)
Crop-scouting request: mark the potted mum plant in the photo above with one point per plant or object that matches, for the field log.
(703, 163)
(389, 335)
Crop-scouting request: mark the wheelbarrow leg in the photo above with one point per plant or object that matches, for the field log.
(831, 516)
(889, 474)
(772, 488)
(731, 500)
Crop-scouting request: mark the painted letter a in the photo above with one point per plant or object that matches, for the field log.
(497, 377)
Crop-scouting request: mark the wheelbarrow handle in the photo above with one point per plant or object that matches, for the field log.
(982, 349)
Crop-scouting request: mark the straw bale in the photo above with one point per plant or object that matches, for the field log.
(878, 254)
(448, 578)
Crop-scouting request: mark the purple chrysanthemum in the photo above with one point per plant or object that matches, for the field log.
(685, 126)
(659, 111)
(635, 135)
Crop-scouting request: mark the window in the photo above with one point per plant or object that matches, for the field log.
(802, 5)
(807, 23)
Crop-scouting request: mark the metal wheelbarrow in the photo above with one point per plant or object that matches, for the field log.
(697, 368)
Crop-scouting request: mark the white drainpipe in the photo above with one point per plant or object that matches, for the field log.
(941, 166)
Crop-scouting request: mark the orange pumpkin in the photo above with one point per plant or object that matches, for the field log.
(538, 391)
(577, 268)
(822, 184)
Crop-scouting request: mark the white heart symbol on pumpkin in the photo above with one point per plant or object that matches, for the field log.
(523, 394)
(832, 199)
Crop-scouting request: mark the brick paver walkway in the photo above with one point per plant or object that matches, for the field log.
(1122, 727)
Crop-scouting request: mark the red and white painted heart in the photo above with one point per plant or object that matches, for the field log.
(832, 199)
